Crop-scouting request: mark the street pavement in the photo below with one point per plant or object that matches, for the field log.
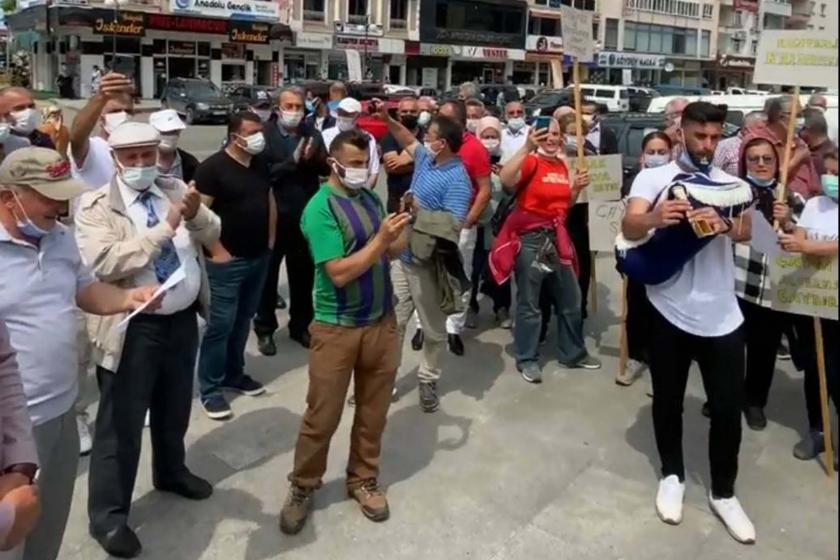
(504, 470)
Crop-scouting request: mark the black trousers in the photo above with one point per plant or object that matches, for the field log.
(638, 322)
(483, 281)
(721, 361)
(577, 224)
(155, 374)
(763, 328)
(804, 327)
(300, 269)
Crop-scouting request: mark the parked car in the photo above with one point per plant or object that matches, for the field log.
(546, 102)
(640, 98)
(197, 100)
(616, 98)
(244, 97)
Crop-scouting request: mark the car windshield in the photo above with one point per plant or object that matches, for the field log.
(203, 88)
(548, 98)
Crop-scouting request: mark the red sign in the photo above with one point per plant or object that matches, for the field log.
(747, 5)
(187, 24)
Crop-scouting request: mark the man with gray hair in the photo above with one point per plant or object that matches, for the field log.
(815, 134)
(468, 90)
(728, 153)
(802, 176)
(673, 120)
(819, 102)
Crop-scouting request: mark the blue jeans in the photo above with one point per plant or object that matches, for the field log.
(565, 296)
(235, 289)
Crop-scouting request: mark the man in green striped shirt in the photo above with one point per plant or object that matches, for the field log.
(354, 333)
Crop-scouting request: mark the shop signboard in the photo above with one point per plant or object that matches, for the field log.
(249, 32)
(543, 44)
(730, 61)
(368, 44)
(609, 59)
(318, 41)
(239, 9)
(186, 24)
(183, 48)
(125, 24)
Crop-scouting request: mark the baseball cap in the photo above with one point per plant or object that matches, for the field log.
(43, 170)
(350, 105)
(133, 135)
(166, 120)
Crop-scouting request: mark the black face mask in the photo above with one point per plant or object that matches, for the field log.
(409, 121)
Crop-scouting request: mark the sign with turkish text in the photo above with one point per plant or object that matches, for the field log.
(605, 176)
(805, 285)
(186, 48)
(369, 44)
(604, 223)
(576, 28)
(240, 9)
(186, 24)
(127, 24)
(730, 61)
(249, 32)
(630, 60)
(543, 44)
(797, 58)
(321, 41)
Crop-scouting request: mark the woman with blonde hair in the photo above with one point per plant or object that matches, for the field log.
(53, 126)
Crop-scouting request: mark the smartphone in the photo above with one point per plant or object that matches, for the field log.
(542, 122)
(407, 202)
(494, 160)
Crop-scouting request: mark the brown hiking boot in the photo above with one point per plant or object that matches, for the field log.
(371, 499)
(296, 509)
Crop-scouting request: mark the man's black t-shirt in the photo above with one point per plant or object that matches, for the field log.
(240, 198)
(397, 184)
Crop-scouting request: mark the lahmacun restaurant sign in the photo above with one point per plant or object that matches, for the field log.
(240, 9)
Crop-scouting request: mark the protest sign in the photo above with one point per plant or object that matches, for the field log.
(576, 27)
(805, 285)
(604, 223)
(797, 58)
(606, 175)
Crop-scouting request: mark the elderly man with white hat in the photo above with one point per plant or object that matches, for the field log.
(143, 229)
(349, 111)
(42, 283)
(172, 160)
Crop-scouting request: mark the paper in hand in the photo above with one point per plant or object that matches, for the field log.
(174, 279)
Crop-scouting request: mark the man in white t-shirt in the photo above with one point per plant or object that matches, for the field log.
(349, 111)
(695, 317)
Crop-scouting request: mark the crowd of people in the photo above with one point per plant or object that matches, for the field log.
(94, 220)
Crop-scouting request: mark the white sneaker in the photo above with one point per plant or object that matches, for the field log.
(729, 511)
(85, 440)
(669, 500)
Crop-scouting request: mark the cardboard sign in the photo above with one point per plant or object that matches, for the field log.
(805, 285)
(576, 27)
(797, 58)
(605, 175)
(604, 224)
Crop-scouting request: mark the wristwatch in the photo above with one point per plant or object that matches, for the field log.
(26, 469)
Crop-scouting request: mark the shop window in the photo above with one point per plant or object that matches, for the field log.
(705, 45)
(313, 10)
(203, 49)
(399, 14)
(611, 34)
(233, 72)
(629, 36)
(464, 15)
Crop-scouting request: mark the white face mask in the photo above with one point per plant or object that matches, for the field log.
(254, 144)
(548, 154)
(472, 125)
(291, 119)
(424, 119)
(168, 142)
(25, 120)
(431, 150)
(354, 178)
(657, 160)
(346, 123)
(5, 129)
(112, 120)
(516, 124)
(491, 145)
(138, 178)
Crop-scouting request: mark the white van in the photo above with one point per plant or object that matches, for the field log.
(616, 98)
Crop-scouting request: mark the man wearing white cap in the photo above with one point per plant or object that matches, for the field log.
(43, 282)
(142, 229)
(349, 111)
(172, 160)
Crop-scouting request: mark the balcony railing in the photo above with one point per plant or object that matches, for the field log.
(397, 23)
(312, 15)
(358, 19)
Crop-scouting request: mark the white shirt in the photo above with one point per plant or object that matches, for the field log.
(373, 163)
(185, 293)
(38, 289)
(700, 299)
(98, 167)
(512, 142)
(819, 218)
(594, 137)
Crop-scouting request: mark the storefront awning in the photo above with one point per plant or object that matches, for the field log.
(282, 32)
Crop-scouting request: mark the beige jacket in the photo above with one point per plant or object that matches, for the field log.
(110, 245)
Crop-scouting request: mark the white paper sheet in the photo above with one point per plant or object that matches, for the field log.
(764, 237)
(174, 279)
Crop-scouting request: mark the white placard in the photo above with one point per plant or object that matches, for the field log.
(430, 77)
(354, 66)
(174, 279)
(576, 26)
(805, 285)
(604, 224)
(797, 58)
(606, 175)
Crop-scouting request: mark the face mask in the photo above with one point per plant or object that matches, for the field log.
(545, 153)
(657, 160)
(829, 186)
(26, 226)
(254, 144)
(5, 128)
(431, 150)
(113, 120)
(168, 142)
(409, 121)
(760, 182)
(263, 114)
(310, 106)
(139, 178)
(354, 178)
(346, 123)
(516, 124)
(491, 144)
(424, 119)
(689, 162)
(800, 122)
(25, 120)
(472, 125)
(571, 140)
(291, 119)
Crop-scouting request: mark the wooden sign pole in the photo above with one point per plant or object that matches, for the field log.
(826, 416)
(781, 191)
(623, 350)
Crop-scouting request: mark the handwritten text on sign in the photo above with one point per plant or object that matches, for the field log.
(805, 285)
(605, 176)
(604, 222)
(797, 58)
(576, 28)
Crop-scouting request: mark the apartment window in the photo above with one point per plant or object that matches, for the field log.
(629, 36)
(471, 16)
(313, 10)
(736, 45)
(399, 14)
(705, 43)
(357, 11)
(661, 39)
(754, 47)
(708, 11)
(611, 34)
(822, 10)
(544, 26)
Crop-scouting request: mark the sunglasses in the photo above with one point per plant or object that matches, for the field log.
(762, 159)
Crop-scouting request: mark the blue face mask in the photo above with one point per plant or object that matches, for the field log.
(26, 226)
(829, 186)
(688, 162)
(310, 107)
(761, 182)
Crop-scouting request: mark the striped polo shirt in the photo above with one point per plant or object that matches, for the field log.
(336, 225)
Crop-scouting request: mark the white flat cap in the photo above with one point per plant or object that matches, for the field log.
(350, 105)
(166, 120)
(133, 135)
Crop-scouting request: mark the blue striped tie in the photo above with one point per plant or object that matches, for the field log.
(168, 261)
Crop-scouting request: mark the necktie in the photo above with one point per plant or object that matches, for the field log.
(168, 261)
